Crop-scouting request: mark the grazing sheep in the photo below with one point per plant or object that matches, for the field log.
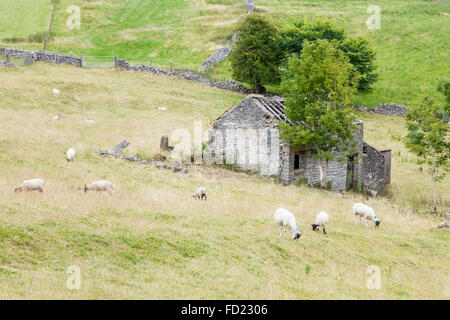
(31, 185)
(58, 117)
(99, 186)
(200, 193)
(89, 121)
(444, 224)
(70, 154)
(362, 211)
(55, 91)
(321, 220)
(285, 219)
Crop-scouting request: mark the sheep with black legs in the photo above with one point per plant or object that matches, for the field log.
(321, 221)
(367, 213)
(200, 193)
(285, 219)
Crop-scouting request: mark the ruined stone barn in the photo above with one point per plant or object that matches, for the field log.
(249, 131)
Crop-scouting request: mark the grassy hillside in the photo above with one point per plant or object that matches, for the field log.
(152, 240)
(412, 45)
(21, 18)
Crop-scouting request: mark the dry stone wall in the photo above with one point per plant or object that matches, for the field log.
(251, 5)
(222, 53)
(43, 56)
(189, 75)
(122, 64)
(216, 57)
(389, 109)
(6, 64)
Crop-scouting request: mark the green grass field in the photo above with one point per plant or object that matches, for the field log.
(412, 45)
(152, 240)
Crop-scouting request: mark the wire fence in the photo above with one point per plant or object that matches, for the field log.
(99, 62)
(16, 60)
(60, 53)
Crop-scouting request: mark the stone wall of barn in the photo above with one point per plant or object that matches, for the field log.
(244, 136)
(373, 176)
(336, 172)
(230, 135)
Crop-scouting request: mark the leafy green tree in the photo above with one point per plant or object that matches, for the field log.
(317, 95)
(358, 50)
(428, 138)
(256, 57)
(362, 57)
(293, 35)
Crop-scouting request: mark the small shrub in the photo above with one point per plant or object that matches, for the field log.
(307, 268)
(329, 185)
(301, 181)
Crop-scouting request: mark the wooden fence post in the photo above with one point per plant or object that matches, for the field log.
(8, 58)
(81, 61)
(115, 62)
(164, 146)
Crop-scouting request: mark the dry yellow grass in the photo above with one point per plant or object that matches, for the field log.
(151, 239)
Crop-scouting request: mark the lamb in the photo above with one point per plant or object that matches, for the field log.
(285, 219)
(31, 185)
(99, 186)
(200, 193)
(362, 211)
(70, 154)
(321, 220)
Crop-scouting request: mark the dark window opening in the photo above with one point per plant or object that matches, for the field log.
(296, 162)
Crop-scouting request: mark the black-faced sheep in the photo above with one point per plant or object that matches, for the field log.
(362, 211)
(321, 221)
(285, 219)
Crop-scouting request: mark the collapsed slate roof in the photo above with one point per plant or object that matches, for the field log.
(272, 105)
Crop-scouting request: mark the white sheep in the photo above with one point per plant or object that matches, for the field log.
(321, 220)
(99, 186)
(200, 193)
(89, 121)
(362, 211)
(55, 91)
(70, 154)
(31, 185)
(285, 219)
